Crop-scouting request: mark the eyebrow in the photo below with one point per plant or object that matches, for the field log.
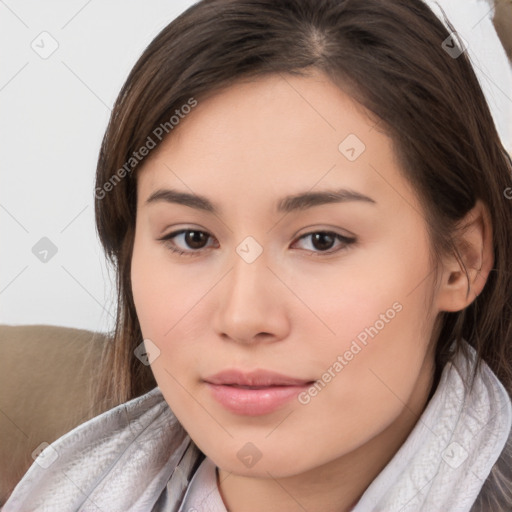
(296, 202)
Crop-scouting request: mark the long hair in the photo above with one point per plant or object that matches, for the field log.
(400, 62)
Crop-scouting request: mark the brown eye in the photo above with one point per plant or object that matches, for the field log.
(323, 241)
(195, 239)
(191, 241)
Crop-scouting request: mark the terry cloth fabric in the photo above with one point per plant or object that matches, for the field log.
(137, 457)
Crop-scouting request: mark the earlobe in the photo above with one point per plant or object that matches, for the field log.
(475, 247)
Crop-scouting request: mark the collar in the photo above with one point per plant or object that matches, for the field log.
(137, 457)
(447, 457)
(203, 492)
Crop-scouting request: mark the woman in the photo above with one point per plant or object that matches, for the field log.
(306, 204)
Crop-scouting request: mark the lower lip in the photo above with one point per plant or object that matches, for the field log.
(254, 402)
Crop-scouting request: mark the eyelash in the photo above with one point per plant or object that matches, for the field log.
(167, 241)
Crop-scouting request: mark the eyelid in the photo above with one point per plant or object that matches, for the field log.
(167, 241)
(308, 230)
(346, 240)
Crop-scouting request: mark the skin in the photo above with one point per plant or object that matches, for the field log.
(294, 309)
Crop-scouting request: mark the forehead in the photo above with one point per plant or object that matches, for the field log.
(275, 133)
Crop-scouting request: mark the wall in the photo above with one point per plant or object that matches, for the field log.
(63, 64)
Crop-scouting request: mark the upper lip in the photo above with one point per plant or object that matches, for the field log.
(254, 378)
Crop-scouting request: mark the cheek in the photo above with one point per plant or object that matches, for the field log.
(374, 337)
(162, 293)
(167, 302)
(371, 294)
(161, 306)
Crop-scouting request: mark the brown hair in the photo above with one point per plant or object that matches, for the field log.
(390, 57)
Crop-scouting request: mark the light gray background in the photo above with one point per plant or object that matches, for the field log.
(54, 112)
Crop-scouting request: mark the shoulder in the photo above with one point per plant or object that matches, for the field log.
(496, 493)
(120, 457)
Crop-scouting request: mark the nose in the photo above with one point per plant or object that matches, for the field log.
(253, 304)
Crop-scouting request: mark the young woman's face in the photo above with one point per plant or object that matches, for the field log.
(331, 292)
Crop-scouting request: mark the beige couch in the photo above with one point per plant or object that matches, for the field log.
(46, 374)
(503, 22)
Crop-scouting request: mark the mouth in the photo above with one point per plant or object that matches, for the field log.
(254, 379)
(254, 393)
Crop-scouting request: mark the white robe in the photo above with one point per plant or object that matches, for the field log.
(136, 457)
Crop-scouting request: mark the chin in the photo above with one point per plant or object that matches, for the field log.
(269, 461)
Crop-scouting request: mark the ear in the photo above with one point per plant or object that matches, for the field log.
(476, 250)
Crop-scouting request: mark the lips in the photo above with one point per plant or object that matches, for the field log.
(254, 393)
(256, 378)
